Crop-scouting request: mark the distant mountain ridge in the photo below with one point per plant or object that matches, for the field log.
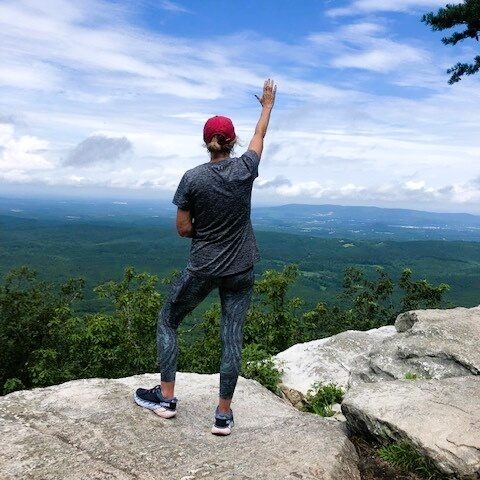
(360, 211)
(326, 220)
(368, 222)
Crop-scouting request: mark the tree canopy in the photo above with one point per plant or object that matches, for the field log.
(44, 340)
(467, 16)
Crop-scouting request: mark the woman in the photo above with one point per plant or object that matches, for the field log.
(213, 201)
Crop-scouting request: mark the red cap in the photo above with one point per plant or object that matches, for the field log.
(218, 125)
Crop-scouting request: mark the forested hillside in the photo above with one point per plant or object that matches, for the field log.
(99, 252)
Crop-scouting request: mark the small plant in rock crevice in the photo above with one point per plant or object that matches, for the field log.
(416, 376)
(320, 398)
(403, 455)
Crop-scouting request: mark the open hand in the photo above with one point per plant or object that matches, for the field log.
(269, 92)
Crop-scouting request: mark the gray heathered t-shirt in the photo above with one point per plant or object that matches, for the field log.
(218, 195)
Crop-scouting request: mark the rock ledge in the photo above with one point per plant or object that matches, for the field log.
(441, 418)
(92, 429)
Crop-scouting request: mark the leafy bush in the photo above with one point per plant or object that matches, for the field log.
(420, 294)
(42, 342)
(203, 354)
(370, 302)
(27, 308)
(12, 384)
(272, 320)
(259, 365)
(404, 456)
(320, 398)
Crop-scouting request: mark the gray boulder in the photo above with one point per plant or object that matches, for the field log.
(441, 418)
(429, 343)
(91, 429)
(328, 360)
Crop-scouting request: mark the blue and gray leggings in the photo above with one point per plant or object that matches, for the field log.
(188, 291)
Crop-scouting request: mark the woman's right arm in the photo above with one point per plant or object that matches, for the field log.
(267, 101)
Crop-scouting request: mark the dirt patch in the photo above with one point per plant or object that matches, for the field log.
(372, 467)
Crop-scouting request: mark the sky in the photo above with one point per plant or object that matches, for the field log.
(109, 98)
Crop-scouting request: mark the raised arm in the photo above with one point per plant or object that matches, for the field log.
(267, 101)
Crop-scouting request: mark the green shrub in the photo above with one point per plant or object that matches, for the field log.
(404, 456)
(204, 353)
(273, 319)
(259, 365)
(320, 398)
(12, 384)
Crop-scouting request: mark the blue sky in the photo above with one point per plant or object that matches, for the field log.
(109, 98)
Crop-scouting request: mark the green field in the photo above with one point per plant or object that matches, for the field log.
(99, 251)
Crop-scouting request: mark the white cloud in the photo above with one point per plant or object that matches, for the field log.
(124, 52)
(21, 154)
(367, 6)
(36, 76)
(415, 186)
(173, 7)
(278, 181)
(386, 194)
(380, 59)
(368, 46)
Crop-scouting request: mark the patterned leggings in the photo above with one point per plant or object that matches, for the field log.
(189, 290)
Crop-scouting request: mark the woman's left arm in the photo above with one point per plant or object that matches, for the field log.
(185, 226)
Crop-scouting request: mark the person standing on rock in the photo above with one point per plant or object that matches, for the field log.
(214, 202)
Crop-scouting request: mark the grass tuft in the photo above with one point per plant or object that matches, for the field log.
(405, 457)
(320, 398)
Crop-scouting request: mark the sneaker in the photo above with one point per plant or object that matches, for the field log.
(153, 400)
(223, 423)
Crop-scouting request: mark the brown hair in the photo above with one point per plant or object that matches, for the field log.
(219, 145)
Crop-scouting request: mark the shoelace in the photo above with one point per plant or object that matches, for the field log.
(155, 389)
(158, 388)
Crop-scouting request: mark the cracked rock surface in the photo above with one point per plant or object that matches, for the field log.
(441, 418)
(91, 429)
(328, 360)
(430, 343)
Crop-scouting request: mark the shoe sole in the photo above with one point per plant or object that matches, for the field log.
(222, 431)
(160, 411)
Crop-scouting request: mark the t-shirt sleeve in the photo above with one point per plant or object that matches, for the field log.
(183, 196)
(251, 161)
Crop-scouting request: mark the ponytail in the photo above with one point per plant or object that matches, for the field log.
(220, 145)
